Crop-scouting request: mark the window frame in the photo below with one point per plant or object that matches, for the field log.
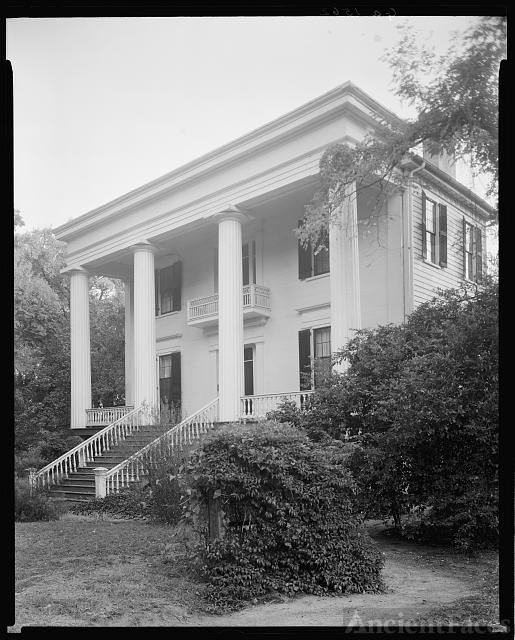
(434, 242)
(319, 262)
(313, 331)
(175, 304)
(473, 253)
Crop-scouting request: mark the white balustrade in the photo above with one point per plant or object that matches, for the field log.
(186, 432)
(105, 415)
(86, 451)
(259, 405)
(254, 296)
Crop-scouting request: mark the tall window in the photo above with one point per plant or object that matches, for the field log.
(434, 231)
(168, 288)
(248, 256)
(170, 382)
(472, 251)
(314, 262)
(314, 356)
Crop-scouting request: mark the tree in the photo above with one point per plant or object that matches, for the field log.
(456, 96)
(424, 396)
(42, 339)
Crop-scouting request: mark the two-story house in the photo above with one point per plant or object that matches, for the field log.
(224, 307)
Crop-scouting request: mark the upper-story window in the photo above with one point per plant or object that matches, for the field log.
(248, 256)
(472, 251)
(168, 288)
(314, 262)
(434, 231)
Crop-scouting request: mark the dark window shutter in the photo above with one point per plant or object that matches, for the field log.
(305, 359)
(156, 287)
(176, 285)
(176, 378)
(424, 246)
(464, 247)
(479, 253)
(304, 260)
(443, 234)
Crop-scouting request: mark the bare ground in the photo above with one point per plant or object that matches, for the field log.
(81, 571)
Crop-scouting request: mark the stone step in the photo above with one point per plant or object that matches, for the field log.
(73, 487)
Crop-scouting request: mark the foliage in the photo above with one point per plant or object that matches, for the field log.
(289, 522)
(132, 503)
(49, 446)
(32, 508)
(42, 338)
(424, 394)
(287, 411)
(456, 98)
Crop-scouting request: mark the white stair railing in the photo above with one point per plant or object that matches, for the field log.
(186, 432)
(105, 415)
(259, 405)
(87, 450)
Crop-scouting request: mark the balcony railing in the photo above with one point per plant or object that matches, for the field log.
(102, 416)
(258, 406)
(256, 298)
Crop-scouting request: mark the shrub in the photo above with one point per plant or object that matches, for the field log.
(32, 508)
(287, 411)
(289, 522)
(130, 503)
(424, 396)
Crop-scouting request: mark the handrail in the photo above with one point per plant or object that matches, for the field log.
(185, 432)
(87, 450)
(106, 415)
(257, 406)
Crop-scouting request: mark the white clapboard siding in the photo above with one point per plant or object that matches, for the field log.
(427, 277)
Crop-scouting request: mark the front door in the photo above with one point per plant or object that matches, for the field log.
(248, 370)
(170, 384)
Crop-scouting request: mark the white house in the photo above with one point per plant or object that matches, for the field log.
(222, 302)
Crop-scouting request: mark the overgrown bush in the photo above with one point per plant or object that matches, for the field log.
(130, 503)
(32, 508)
(48, 447)
(424, 395)
(287, 411)
(289, 521)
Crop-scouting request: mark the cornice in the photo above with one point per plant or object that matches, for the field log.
(309, 115)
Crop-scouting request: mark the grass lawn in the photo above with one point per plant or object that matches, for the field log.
(88, 571)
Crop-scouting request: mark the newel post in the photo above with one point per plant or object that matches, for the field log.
(32, 479)
(100, 481)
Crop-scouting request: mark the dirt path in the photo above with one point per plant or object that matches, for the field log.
(110, 573)
(416, 579)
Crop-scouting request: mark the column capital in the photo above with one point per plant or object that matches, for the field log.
(232, 212)
(144, 245)
(75, 270)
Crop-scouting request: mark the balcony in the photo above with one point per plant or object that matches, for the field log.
(203, 312)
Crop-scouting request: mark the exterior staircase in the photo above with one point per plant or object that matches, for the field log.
(79, 486)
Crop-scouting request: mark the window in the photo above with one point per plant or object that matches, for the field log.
(314, 262)
(434, 231)
(170, 382)
(314, 356)
(248, 256)
(472, 251)
(248, 370)
(168, 288)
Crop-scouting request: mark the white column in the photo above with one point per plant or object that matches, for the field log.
(129, 342)
(230, 313)
(80, 348)
(145, 378)
(344, 274)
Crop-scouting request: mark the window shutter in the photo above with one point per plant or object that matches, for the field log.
(464, 247)
(156, 287)
(479, 253)
(176, 286)
(443, 234)
(176, 378)
(424, 246)
(304, 260)
(305, 359)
